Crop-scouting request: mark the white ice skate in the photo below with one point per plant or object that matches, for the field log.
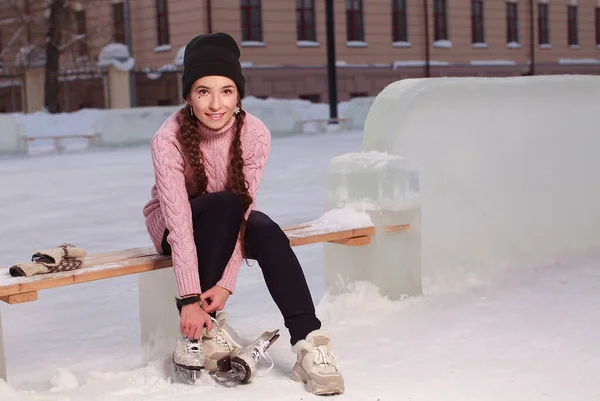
(188, 358)
(242, 363)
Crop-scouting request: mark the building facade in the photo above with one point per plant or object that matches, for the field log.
(284, 46)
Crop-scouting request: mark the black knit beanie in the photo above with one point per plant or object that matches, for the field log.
(212, 54)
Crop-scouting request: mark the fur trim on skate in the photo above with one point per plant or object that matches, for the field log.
(65, 257)
(314, 338)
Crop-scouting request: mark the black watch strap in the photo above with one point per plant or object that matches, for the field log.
(189, 300)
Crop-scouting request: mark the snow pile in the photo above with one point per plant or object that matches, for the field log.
(340, 218)
(63, 380)
(116, 55)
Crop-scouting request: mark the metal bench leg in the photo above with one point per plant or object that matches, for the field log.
(3, 368)
(383, 187)
(159, 319)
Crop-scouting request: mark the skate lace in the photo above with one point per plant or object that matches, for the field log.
(222, 337)
(192, 346)
(323, 357)
(259, 350)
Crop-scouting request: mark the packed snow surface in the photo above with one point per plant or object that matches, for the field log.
(510, 333)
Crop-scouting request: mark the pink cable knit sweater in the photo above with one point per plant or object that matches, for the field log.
(169, 206)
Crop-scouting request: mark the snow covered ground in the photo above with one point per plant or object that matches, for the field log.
(515, 334)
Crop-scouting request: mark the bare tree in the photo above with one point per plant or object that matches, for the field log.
(52, 55)
(43, 33)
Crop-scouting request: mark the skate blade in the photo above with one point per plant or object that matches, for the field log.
(191, 376)
(234, 367)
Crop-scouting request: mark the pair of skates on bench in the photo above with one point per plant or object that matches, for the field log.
(218, 354)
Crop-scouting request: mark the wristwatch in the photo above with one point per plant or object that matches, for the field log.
(189, 300)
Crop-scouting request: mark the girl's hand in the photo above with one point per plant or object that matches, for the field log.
(193, 319)
(218, 298)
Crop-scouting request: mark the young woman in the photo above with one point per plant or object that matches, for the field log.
(209, 158)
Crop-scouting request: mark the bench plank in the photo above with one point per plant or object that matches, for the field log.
(138, 260)
(20, 298)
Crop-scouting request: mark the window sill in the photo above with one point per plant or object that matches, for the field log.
(356, 43)
(545, 46)
(443, 44)
(307, 43)
(162, 49)
(574, 47)
(401, 44)
(513, 45)
(253, 43)
(479, 45)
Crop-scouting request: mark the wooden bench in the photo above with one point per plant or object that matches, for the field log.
(108, 265)
(93, 139)
(344, 123)
(138, 260)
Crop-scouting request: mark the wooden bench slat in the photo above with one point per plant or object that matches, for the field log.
(138, 260)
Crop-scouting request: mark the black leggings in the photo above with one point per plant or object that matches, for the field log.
(217, 218)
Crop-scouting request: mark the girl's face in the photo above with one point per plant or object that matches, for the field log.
(213, 100)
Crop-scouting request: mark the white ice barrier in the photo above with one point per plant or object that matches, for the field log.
(135, 126)
(357, 109)
(386, 187)
(508, 167)
(282, 116)
(11, 135)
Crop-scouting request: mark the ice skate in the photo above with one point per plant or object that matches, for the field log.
(188, 358)
(315, 365)
(242, 363)
(218, 342)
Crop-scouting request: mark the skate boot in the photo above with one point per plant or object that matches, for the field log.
(188, 358)
(218, 342)
(315, 365)
(242, 363)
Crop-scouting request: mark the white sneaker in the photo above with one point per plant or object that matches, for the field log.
(188, 353)
(218, 342)
(315, 366)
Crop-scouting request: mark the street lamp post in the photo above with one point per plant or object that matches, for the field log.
(331, 67)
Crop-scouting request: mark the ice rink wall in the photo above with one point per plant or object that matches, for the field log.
(508, 167)
(12, 135)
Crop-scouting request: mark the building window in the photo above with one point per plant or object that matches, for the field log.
(251, 21)
(572, 26)
(440, 20)
(162, 22)
(543, 24)
(477, 32)
(118, 11)
(313, 98)
(399, 21)
(597, 26)
(305, 20)
(512, 22)
(355, 30)
(81, 33)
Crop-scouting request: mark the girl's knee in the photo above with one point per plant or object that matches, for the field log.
(261, 226)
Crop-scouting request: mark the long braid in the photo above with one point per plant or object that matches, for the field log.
(189, 138)
(237, 180)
